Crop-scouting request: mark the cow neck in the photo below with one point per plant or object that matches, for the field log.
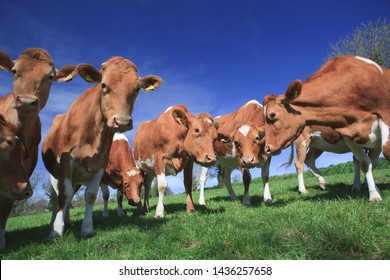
(320, 111)
(103, 134)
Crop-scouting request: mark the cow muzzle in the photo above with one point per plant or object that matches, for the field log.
(22, 191)
(208, 160)
(122, 123)
(134, 202)
(27, 104)
(249, 161)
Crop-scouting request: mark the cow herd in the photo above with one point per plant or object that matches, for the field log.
(343, 107)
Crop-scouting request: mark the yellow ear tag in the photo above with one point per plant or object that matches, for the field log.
(149, 88)
(68, 78)
(179, 120)
(88, 78)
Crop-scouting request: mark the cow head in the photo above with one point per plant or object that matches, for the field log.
(249, 142)
(201, 134)
(132, 182)
(14, 183)
(284, 123)
(119, 87)
(34, 74)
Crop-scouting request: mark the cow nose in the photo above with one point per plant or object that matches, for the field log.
(134, 202)
(249, 160)
(26, 103)
(268, 149)
(211, 158)
(122, 123)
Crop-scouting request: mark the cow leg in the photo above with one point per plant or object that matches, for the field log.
(90, 197)
(385, 133)
(5, 210)
(106, 195)
(61, 198)
(265, 177)
(226, 179)
(246, 179)
(310, 161)
(373, 154)
(188, 185)
(301, 148)
(148, 179)
(202, 182)
(119, 198)
(366, 165)
(356, 178)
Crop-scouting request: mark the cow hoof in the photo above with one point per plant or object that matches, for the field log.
(268, 202)
(159, 217)
(87, 234)
(305, 192)
(375, 199)
(323, 186)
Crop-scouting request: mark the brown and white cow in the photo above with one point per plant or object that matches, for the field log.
(171, 143)
(241, 146)
(14, 183)
(348, 94)
(122, 174)
(76, 149)
(33, 74)
(315, 140)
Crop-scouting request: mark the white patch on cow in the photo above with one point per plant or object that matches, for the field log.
(244, 130)
(253, 102)
(374, 134)
(169, 108)
(148, 163)
(202, 182)
(208, 120)
(315, 133)
(385, 132)
(132, 173)
(369, 61)
(162, 186)
(303, 143)
(120, 136)
(301, 184)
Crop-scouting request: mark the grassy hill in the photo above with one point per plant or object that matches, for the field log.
(332, 224)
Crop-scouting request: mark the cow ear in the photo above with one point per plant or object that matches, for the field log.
(66, 73)
(150, 83)
(293, 90)
(89, 73)
(180, 117)
(5, 62)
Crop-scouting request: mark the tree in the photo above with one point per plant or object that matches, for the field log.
(370, 40)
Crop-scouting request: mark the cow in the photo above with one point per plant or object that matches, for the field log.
(241, 145)
(122, 174)
(33, 74)
(170, 143)
(14, 183)
(320, 139)
(76, 149)
(349, 94)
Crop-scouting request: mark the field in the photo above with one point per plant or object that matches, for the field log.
(332, 224)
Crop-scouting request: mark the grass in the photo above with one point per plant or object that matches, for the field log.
(332, 224)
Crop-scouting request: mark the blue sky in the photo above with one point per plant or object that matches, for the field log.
(213, 55)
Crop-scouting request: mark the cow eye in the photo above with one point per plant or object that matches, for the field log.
(271, 117)
(196, 130)
(105, 88)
